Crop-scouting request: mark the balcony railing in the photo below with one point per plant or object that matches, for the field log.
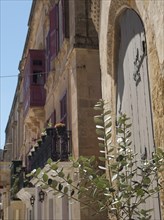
(54, 146)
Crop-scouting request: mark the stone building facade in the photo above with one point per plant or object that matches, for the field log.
(85, 48)
(59, 82)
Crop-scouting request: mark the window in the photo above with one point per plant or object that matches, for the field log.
(37, 62)
(38, 78)
(59, 26)
(63, 109)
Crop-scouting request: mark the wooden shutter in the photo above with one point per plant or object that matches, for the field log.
(133, 96)
(48, 53)
(65, 10)
(54, 31)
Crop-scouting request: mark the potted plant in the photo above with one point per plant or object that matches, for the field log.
(39, 141)
(60, 128)
(30, 155)
(49, 129)
(43, 135)
(33, 151)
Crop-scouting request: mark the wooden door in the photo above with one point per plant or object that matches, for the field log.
(133, 97)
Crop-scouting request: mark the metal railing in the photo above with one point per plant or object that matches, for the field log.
(54, 146)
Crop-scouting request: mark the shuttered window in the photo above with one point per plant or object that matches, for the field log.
(59, 26)
(54, 31)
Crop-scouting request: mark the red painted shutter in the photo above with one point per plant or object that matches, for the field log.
(54, 31)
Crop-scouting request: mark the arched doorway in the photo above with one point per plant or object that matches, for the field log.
(133, 96)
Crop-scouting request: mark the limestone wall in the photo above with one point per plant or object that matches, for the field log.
(152, 15)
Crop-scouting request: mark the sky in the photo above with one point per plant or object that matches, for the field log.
(14, 15)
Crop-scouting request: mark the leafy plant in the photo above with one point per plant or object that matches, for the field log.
(117, 183)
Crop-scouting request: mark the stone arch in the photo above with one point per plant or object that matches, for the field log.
(116, 9)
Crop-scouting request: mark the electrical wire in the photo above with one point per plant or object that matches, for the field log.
(31, 74)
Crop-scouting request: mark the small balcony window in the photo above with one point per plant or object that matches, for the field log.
(37, 62)
(38, 78)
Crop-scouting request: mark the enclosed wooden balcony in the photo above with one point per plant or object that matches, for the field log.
(34, 79)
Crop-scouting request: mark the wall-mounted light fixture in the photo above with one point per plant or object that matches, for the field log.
(32, 200)
(41, 196)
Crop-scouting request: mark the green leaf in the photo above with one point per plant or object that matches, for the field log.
(101, 145)
(128, 135)
(101, 139)
(75, 164)
(111, 189)
(69, 181)
(38, 171)
(100, 127)
(29, 175)
(140, 192)
(146, 180)
(61, 174)
(72, 192)
(120, 130)
(98, 120)
(65, 189)
(54, 166)
(92, 159)
(108, 112)
(102, 168)
(108, 136)
(61, 196)
(60, 187)
(128, 125)
(115, 202)
(111, 149)
(45, 187)
(107, 119)
(120, 158)
(68, 176)
(108, 125)
(114, 177)
(102, 158)
(54, 184)
(45, 177)
(98, 108)
(100, 133)
(49, 161)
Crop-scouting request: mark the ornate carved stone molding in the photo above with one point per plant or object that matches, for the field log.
(95, 13)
